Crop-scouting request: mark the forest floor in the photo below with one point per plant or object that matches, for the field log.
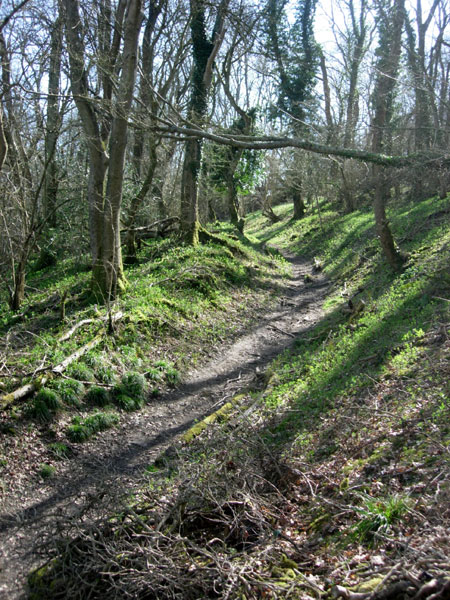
(33, 511)
(304, 455)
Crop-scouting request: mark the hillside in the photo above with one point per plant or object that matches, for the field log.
(323, 468)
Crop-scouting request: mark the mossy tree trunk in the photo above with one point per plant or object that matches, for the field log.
(204, 51)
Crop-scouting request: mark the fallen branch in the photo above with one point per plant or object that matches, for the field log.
(33, 386)
(77, 326)
(162, 224)
(282, 331)
(437, 159)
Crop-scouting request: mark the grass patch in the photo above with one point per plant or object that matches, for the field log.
(45, 405)
(83, 429)
(70, 391)
(377, 516)
(97, 396)
(46, 471)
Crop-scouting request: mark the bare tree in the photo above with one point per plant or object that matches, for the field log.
(105, 131)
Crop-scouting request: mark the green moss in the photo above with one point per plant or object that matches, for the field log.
(368, 586)
(217, 416)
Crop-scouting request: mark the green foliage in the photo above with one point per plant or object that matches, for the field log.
(45, 404)
(60, 451)
(82, 429)
(173, 376)
(97, 396)
(81, 371)
(46, 471)
(70, 391)
(154, 374)
(377, 515)
(227, 163)
(105, 374)
(129, 394)
(128, 403)
(163, 370)
(133, 384)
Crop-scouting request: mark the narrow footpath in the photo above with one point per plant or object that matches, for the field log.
(117, 459)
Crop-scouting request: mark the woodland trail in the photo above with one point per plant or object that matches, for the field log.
(116, 461)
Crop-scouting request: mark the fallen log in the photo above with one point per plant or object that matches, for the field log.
(24, 391)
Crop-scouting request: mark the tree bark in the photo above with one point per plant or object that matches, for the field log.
(106, 173)
(53, 125)
(297, 198)
(204, 53)
(390, 25)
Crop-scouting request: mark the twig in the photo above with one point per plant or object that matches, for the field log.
(282, 331)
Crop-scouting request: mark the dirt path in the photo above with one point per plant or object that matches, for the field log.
(117, 459)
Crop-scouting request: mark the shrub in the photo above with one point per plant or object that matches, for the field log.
(46, 471)
(78, 432)
(70, 391)
(133, 384)
(154, 374)
(173, 376)
(105, 374)
(129, 404)
(377, 516)
(45, 404)
(97, 396)
(163, 369)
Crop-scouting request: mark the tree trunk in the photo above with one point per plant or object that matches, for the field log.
(53, 125)
(189, 191)
(3, 142)
(299, 205)
(233, 202)
(204, 53)
(112, 280)
(391, 25)
(136, 204)
(105, 200)
(19, 285)
(393, 256)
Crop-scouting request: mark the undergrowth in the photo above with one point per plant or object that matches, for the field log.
(180, 302)
(332, 481)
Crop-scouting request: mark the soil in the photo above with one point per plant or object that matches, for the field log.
(116, 460)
